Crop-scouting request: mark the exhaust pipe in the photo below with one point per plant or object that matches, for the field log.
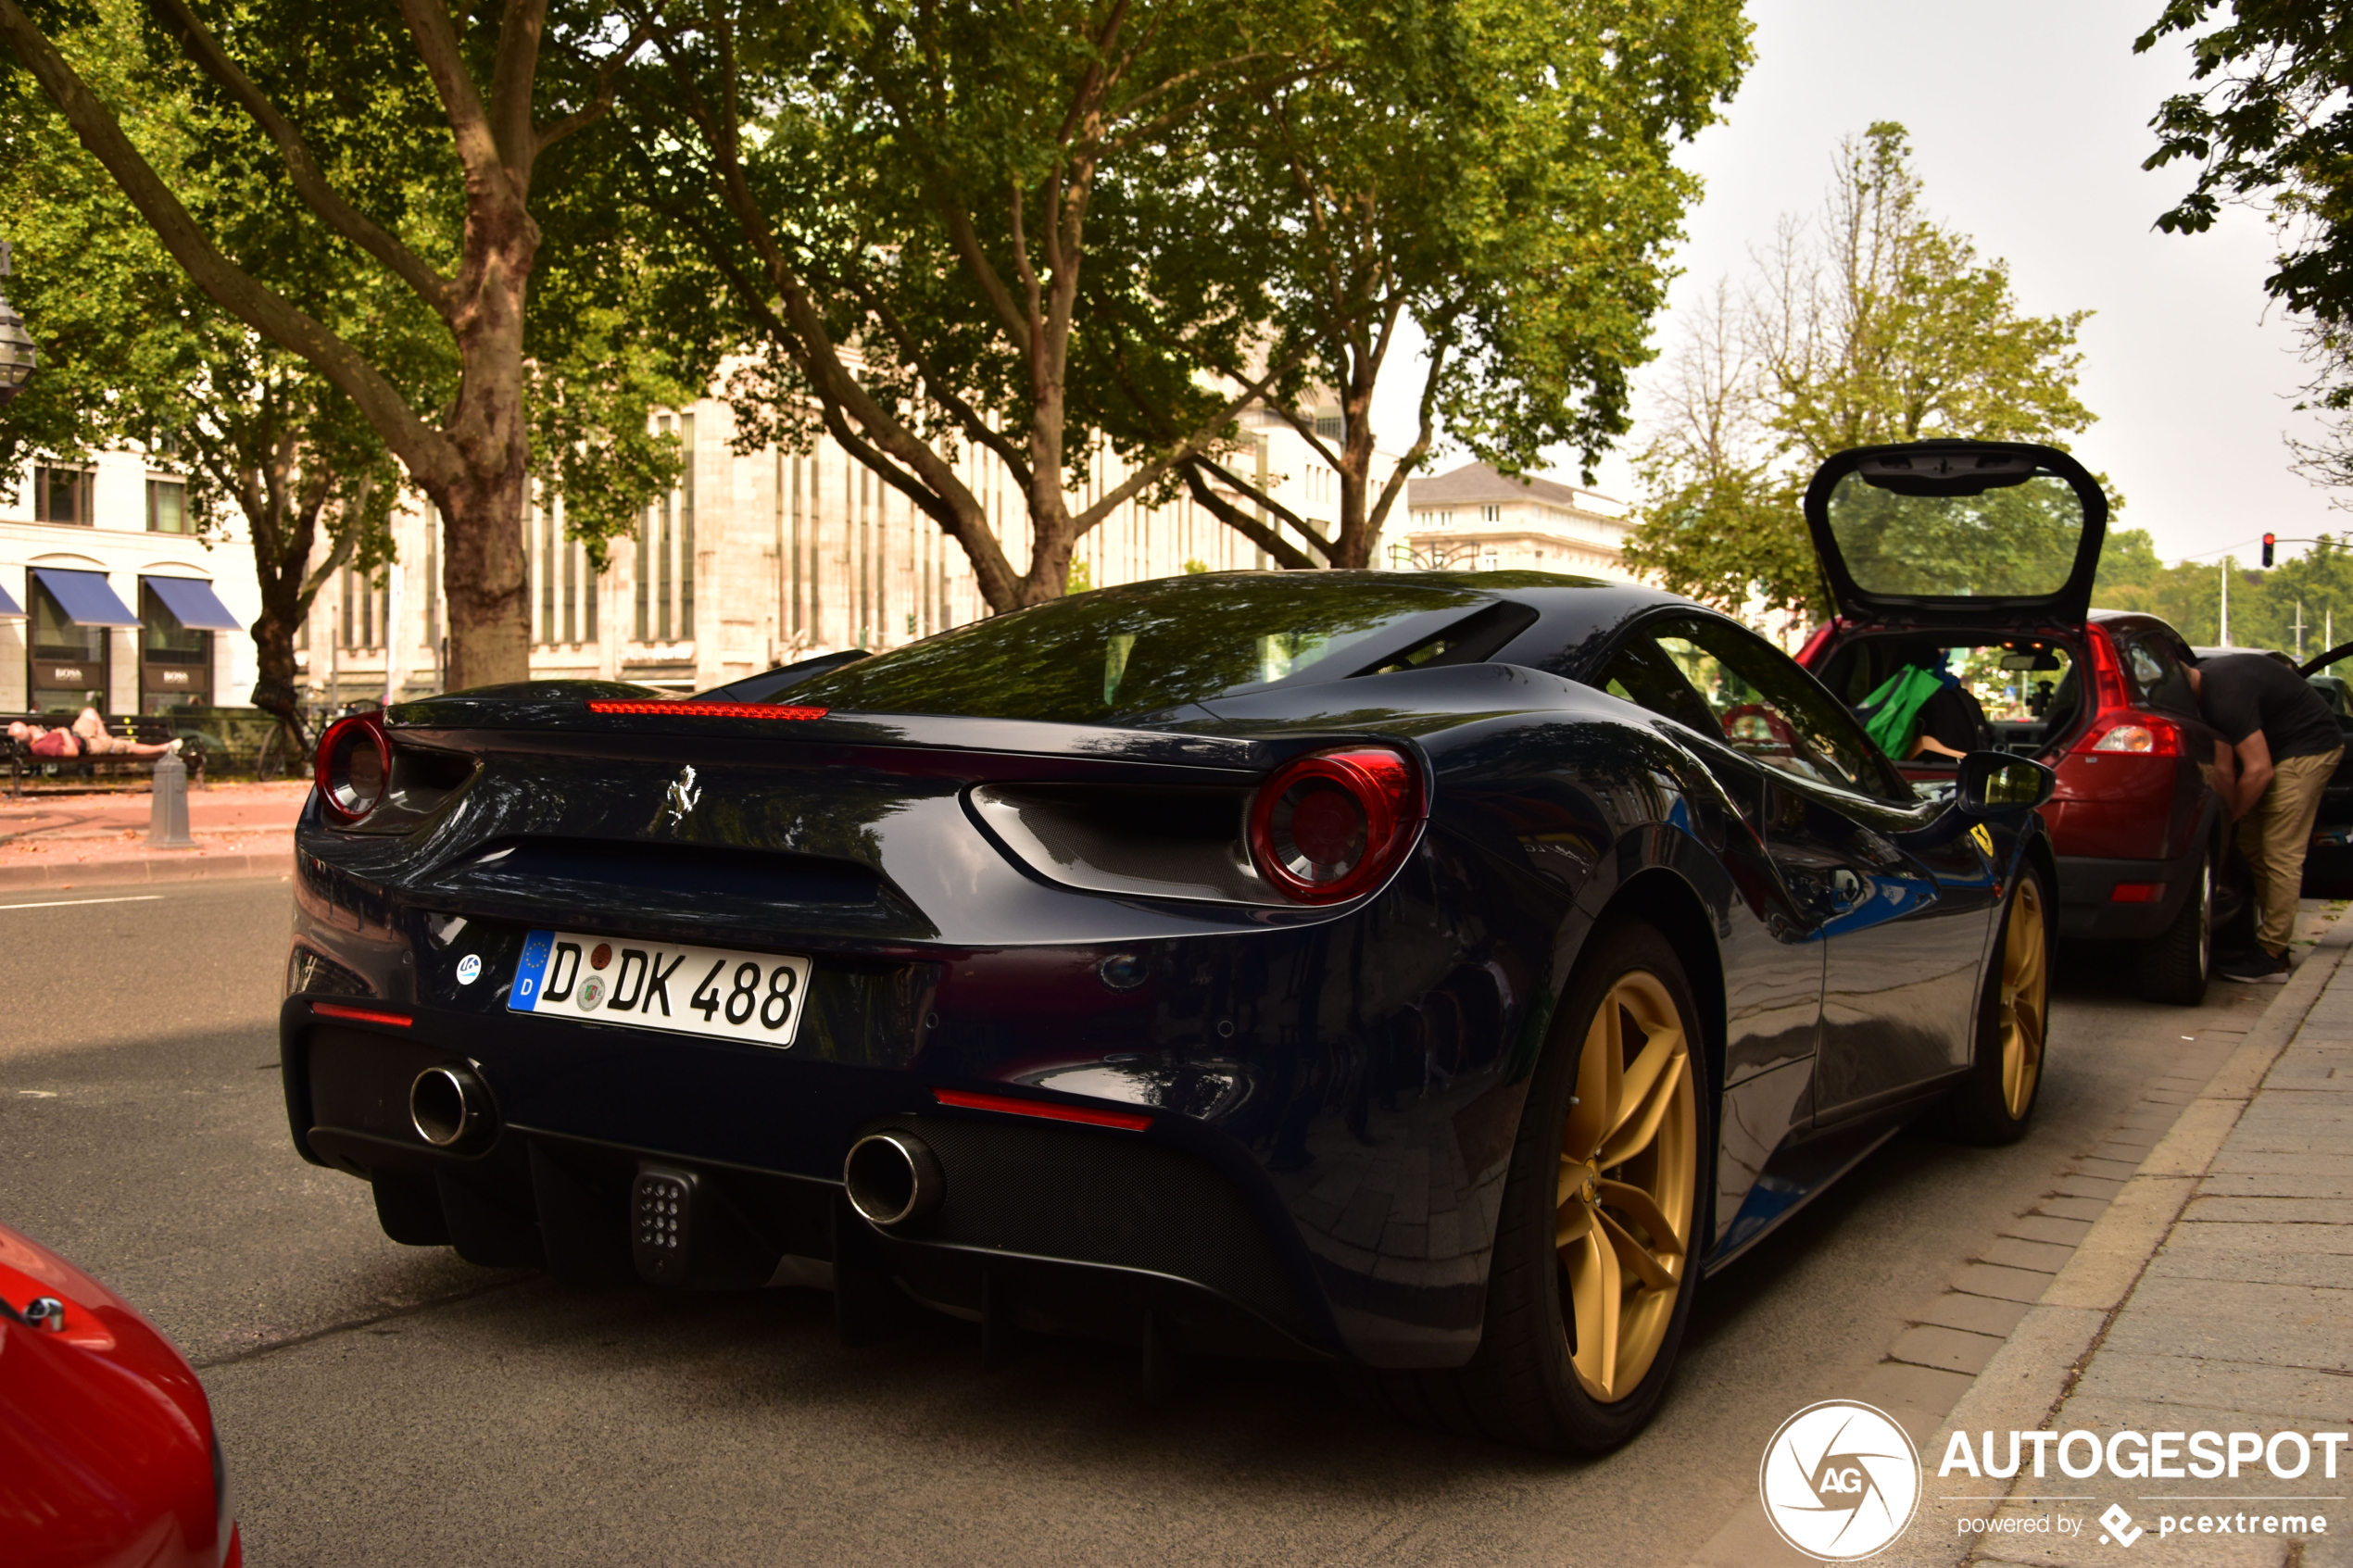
(893, 1177)
(450, 1109)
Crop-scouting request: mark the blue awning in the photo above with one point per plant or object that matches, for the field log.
(84, 596)
(9, 608)
(192, 600)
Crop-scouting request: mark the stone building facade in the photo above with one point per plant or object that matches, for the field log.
(108, 599)
(1473, 519)
(756, 560)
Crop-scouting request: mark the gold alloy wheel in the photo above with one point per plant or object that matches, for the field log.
(1628, 1186)
(2025, 998)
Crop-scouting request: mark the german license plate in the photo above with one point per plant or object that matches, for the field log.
(716, 991)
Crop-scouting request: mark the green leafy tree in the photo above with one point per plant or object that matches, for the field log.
(424, 147)
(1873, 324)
(951, 228)
(2267, 121)
(1501, 172)
(136, 354)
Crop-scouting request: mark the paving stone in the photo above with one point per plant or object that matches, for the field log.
(2245, 1235)
(2226, 1210)
(2077, 1183)
(2011, 1252)
(2274, 1184)
(1954, 1349)
(1897, 1387)
(1976, 1314)
(2334, 1269)
(2048, 1227)
(2299, 1325)
(2116, 1171)
(2277, 1396)
(2002, 1284)
(2073, 1208)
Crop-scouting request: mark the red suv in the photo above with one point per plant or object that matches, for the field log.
(1973, 562)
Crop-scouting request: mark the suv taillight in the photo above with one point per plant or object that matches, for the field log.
(2139, 734)
(1330, 825)
(355, 767)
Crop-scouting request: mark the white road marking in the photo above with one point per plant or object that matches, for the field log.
(69, 903)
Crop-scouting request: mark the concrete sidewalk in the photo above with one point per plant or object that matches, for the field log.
(2022, 1326)
(2214, 1295)
(242, 829)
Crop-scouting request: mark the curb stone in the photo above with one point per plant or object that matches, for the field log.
(186, 865)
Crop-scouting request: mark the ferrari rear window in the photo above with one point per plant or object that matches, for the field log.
(1116, 652)
(2013, 540)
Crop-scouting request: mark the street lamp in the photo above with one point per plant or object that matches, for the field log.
(16, 358)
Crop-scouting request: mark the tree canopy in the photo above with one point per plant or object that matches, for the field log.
(1869, 324)
(1497, 172)
(436, 153)
(943, 228)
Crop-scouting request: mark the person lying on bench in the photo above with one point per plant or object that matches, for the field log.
(86, 736)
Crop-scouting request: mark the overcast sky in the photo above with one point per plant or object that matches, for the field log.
(2029, 124)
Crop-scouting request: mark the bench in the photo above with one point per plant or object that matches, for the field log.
(153, 730)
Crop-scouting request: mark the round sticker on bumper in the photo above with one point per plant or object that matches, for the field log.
(469, 969)
(1840, 1480)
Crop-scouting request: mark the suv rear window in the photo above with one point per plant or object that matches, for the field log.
(2015, 540)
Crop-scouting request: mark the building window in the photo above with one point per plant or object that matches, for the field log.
(367, 610)
(175, 661)
(567, 605)
(63, 496)
(1490, 514)
(70, 666)
(167, 506)
(666, 553)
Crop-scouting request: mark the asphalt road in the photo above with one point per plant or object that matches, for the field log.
(388, 1404)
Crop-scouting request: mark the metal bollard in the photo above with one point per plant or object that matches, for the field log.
(168, 821)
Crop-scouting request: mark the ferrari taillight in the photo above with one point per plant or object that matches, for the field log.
(355, 767)
(1328, 826)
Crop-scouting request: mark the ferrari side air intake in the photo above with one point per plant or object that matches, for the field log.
(893, 1177)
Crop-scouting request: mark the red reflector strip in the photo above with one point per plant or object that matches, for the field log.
(709, 709)
(361, 1015)
(1126, 1120)
(2137, 892)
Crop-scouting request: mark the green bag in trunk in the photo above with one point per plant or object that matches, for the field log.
(1892, 714)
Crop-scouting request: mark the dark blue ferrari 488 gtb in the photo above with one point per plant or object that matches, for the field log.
(1437, 976)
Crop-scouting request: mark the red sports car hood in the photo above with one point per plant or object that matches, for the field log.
(105, 1436)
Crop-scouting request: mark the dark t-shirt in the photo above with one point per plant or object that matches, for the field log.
(2241, 692)
(1953, 717)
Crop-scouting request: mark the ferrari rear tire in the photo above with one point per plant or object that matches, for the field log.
(1995, 1102)
(1604, 1217)
(2176, 963)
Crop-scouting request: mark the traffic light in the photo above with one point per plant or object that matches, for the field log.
(2269, 539)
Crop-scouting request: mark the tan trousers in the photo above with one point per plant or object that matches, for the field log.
(2274, 836)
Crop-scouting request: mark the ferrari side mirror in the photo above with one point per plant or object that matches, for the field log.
(1993, 783)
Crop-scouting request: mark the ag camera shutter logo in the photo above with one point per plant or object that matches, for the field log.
(1840, 1481)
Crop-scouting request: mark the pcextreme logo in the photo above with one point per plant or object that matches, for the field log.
(1840, 1480)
